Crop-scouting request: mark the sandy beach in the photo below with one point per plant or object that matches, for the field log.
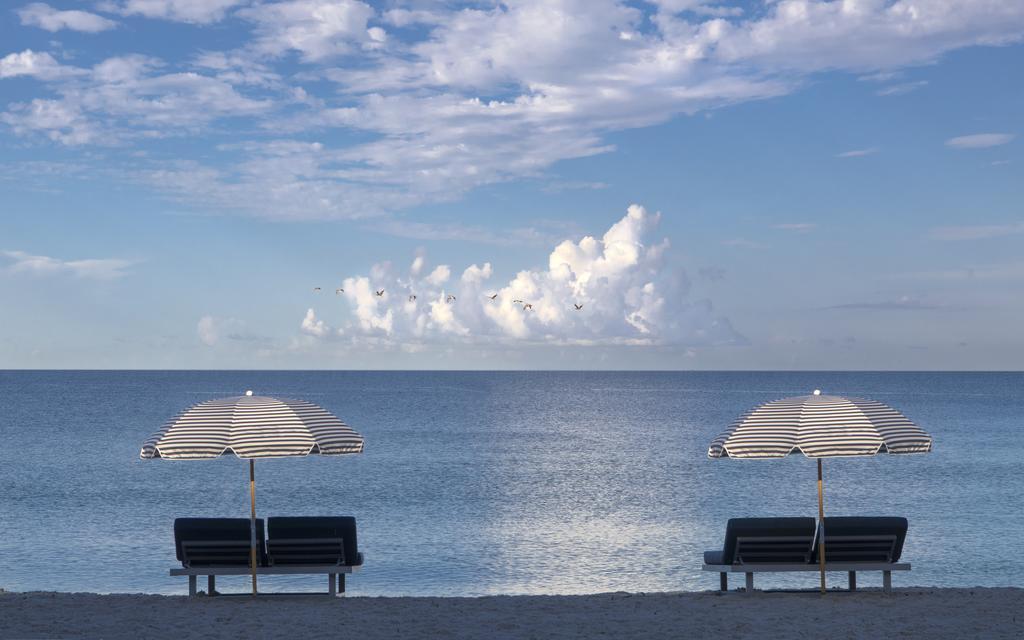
(908, 613)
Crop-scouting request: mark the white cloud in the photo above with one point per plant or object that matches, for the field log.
(31, 63)
(207, 330)
(314, 327)
(317, 29)
(42, 15)
(901, 89)
(627, 290)
(98, 269)
(980, 140)
(427, 101)
(194, 11)
(857, 153)
(120, 98)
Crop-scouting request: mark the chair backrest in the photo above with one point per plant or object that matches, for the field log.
(216, 541)
(308, 540)
(775, 540)
(864, 539)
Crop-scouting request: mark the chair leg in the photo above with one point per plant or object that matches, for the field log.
(750, 583)
(192, 586)
(887, 581)
(341, 583)
(211, 585)
(853, 581)
(723, 581)
(332, 586)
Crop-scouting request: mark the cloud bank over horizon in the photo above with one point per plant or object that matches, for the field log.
(626, 290)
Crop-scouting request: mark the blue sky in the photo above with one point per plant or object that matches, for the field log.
(776, 185)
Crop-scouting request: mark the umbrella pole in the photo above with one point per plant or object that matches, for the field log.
(821, 528)
(252, 520)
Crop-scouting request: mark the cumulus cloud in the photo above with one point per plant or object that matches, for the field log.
(42, 15)
(31, 63)
(93, 268)
(314, 327)
(627, 291)
(317, 29)
(980, 140)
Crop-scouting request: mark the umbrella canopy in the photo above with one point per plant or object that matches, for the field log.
(252, 427)
(820, 426)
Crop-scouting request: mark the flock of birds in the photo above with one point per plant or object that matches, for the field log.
(451, 298)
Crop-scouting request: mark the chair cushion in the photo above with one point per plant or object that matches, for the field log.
(298, 527)
(867, 525)
(218, 530)
(764, 527)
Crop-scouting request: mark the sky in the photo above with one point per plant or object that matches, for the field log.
(528, 184)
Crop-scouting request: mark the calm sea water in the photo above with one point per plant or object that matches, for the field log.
(477, 483)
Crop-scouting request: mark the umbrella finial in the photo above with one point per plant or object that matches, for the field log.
(817, 392)
(249, 392)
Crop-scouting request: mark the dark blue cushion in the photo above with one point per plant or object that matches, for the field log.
(763, 528)
(866, 525)
(217, 530)
(298, 527)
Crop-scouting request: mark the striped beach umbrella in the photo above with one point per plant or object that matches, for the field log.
(252, 427)
(820, 426)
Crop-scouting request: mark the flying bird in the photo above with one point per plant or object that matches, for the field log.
(450, 299)
(339, 291)
(412, 298)
(527, 307)
(493, 297)
(380, 294)
(578, 306)
(316, 289)
(517, 302)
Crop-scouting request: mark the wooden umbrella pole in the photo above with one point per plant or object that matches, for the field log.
(252, 520)
(821, 529)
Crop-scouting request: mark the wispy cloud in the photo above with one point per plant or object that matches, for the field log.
(100, 269)
(516, 236)
(476, 94)
(901, 89)
(977, 232)
(798, 227)
(559, 186)
(42, 15)
(903, 303)
(980, 140)
(858, 153)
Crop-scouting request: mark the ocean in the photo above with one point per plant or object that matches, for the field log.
(478, 483)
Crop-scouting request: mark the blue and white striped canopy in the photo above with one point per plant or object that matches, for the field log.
(820, 426)
(252, 427)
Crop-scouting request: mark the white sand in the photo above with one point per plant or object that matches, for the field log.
(908, 613)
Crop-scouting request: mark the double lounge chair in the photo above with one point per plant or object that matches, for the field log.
(852, 544)
(294, 545)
